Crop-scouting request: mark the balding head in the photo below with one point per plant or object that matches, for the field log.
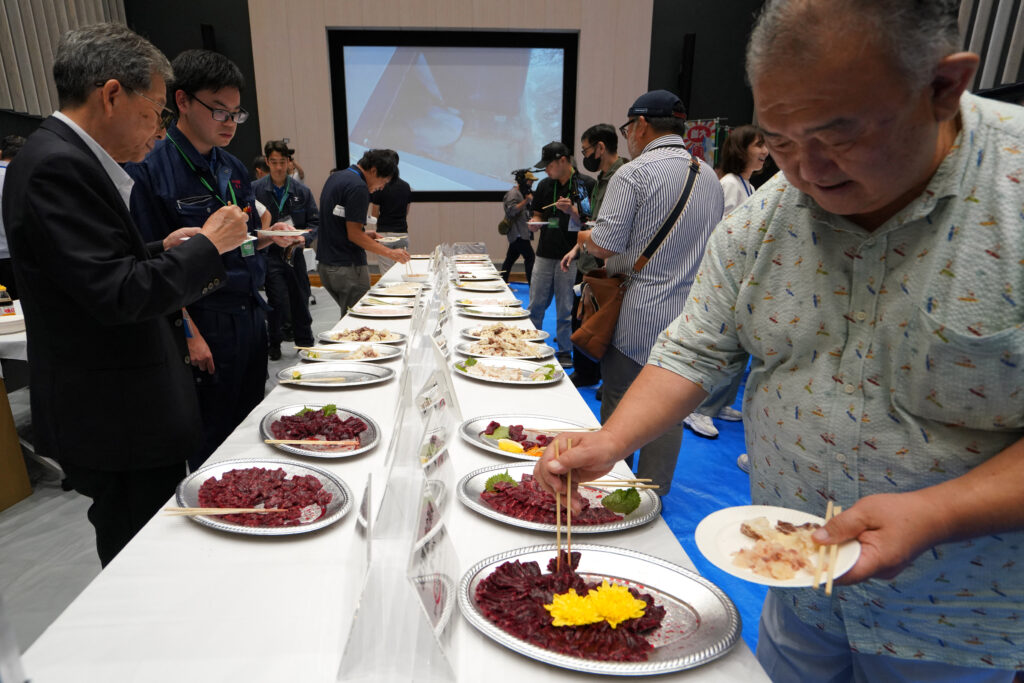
(912, 35)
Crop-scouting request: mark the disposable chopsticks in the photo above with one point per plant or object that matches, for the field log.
(313, 378)
(625, 484)
(348, 442)
(568, 512)
(558, 523)
(831, 510)
(832, 554)
(193, 512)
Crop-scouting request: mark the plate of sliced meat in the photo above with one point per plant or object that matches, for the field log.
(769, 545)
(300, 428)
(605, 611)
(517, 499)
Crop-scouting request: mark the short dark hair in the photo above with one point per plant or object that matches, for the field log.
(602, 132)
(196, 70)
(667, 124)
(279, 146)
(10, 146)
(734, 149)
(100, 52)
(383, 161)
(260, 163)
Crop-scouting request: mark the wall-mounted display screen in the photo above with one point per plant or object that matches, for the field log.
(462, 109)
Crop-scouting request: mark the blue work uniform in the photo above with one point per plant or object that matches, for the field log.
(169, 194)
(287, 283)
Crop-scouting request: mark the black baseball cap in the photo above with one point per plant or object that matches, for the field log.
(657, 103)
(551, 152)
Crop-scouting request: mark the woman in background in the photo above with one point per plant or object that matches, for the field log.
(743, 154)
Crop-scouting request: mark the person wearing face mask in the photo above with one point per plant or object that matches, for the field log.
(517, 203)
(600, 148)
(743, 154)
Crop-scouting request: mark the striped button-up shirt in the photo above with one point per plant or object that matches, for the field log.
(883, 362)
(640, 197)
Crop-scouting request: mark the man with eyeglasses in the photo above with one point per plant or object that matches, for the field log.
(186, 177)
(112, 400)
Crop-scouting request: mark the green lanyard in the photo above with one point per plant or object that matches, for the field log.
(554, 191)
(199, 175)
(284, 197)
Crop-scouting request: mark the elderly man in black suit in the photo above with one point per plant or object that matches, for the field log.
(112, 396)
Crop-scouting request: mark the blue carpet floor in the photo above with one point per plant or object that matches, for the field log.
(706, 480)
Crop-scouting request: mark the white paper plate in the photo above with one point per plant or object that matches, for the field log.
(381, 311)
(280, 233)
(718, 537)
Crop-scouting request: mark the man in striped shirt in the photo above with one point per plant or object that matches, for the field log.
(640, 197)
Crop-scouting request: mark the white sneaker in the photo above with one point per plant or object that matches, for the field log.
(730, 414)
(701, 425)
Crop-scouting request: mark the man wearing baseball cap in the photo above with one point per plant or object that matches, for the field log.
(639, 199)
(562, 204)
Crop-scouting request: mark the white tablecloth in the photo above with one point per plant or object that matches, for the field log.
(187, 603)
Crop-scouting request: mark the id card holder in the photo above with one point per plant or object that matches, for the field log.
(248, 247)
(553, 223)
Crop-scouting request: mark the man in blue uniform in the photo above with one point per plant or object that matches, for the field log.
(182, 181)
(291, 203)
(343, 243)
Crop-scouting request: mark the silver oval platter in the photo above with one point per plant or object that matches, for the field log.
(701, 623)
(329, 336)
(472, 485)
(397, 289)
(394, 311)
(187, 495)
(495, 312)
(473, 332)
(481, 286)
(367, 438)
(342, 351)
(472, 430)
(335, 374)
(525, 368)
(539, 351)
(490, 301)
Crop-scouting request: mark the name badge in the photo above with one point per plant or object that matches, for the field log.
(553, 223)
(339, 211)
(248, 247)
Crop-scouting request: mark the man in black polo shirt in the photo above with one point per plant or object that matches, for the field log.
(390, 206)
(343, 242)
(568, 194)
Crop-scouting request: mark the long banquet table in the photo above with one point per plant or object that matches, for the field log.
(183, 602)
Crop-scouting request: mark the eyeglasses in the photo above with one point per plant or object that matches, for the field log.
(586, 149)
(625, 127)
(240, 116)
(165, 115)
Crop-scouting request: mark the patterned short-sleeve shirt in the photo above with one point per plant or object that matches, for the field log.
(882, 361)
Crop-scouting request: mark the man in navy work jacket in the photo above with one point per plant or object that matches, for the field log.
(289, 202)
(183, 180)
(112, 400)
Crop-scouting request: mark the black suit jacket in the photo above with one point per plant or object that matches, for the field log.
(111, 389)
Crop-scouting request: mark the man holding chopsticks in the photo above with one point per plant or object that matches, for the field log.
(875, 283)
(112, 399)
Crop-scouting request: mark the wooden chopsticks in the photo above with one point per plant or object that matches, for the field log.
(313, 378)
(194, 512)
(830, 511)
(558, 524)
(620, 483)
(349, 442)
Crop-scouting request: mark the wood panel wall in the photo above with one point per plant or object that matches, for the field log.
(293, 87)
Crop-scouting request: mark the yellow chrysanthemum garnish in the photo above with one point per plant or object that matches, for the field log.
(615, 603)
(570, 609)
(611, 603)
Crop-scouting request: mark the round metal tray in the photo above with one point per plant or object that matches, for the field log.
(468, 332)
(470, 487)
(187, 495)
(701, 623)
(495, 312)
(356, 374)
(542, 351)
(367, 439)
(525, 368)
(329, 352)
(395, 311)
(326, 336)
(471, 430)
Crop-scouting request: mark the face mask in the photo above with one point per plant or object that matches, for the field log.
(591, 163)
